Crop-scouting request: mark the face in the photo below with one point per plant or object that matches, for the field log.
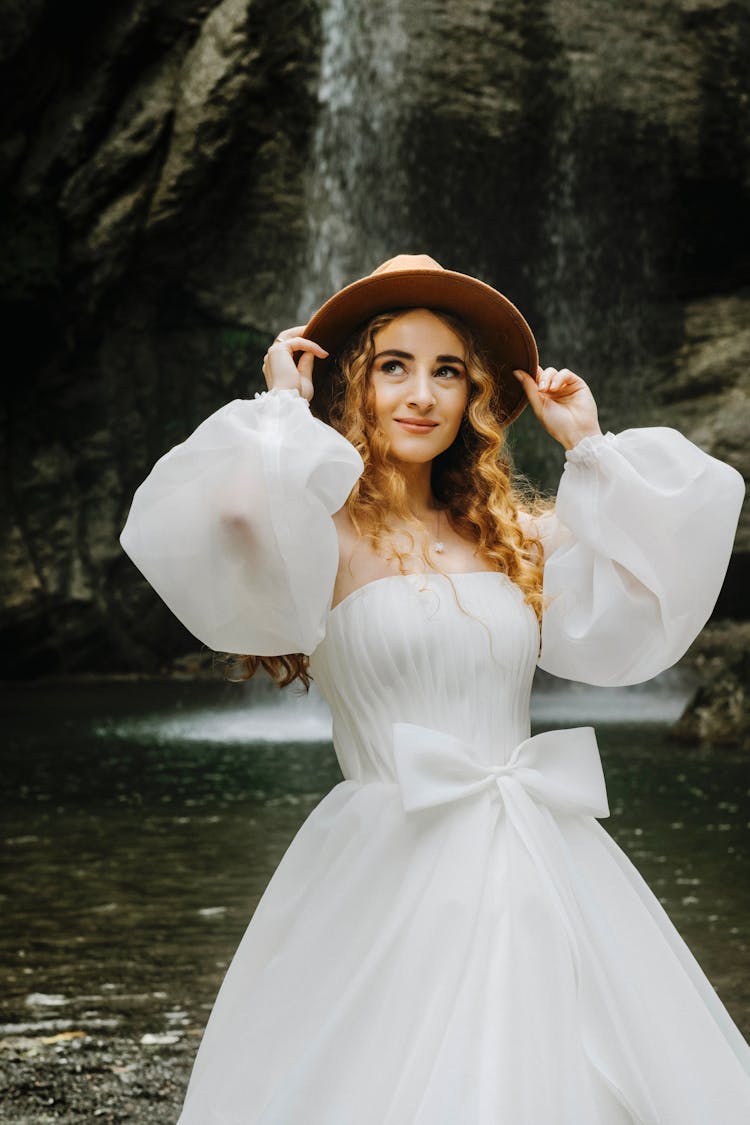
(420, 383)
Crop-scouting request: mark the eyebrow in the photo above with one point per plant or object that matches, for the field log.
(408, 355)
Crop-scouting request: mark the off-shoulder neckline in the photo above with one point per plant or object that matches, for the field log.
(415, 574)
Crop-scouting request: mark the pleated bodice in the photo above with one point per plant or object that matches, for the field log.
(455, 653)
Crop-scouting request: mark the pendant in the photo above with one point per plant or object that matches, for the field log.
(439, 547)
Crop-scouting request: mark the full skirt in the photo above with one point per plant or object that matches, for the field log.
(463, 966)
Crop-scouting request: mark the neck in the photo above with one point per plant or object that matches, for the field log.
(419, 487)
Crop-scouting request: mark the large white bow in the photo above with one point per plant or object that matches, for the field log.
(558, 768)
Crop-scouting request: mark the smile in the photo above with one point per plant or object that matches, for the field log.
(415, 427)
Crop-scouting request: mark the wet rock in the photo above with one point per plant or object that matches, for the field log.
(87, 1079)
(168, 190)
(707, 393)
(719, 711)
(212, 87)
(130, 128)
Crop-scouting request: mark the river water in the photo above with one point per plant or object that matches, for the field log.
(142, 821)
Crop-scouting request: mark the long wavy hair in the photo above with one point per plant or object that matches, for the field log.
(474, 479)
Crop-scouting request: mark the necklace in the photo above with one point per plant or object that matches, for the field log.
(438, 545)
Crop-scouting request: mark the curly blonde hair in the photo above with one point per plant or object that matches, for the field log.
(474, 478)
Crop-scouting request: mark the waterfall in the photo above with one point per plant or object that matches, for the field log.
(598, 283)
(357, 179)
(253, 713)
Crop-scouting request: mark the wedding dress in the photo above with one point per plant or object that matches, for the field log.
(452, 937)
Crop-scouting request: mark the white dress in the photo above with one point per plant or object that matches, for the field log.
(452, 937)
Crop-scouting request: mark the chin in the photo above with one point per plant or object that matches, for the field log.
(416, 456)
(413, 458)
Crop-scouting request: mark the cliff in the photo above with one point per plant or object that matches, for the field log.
(180, 180)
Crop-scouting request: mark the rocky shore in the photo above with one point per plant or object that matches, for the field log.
(73, 1078)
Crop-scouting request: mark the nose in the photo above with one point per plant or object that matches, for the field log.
(421, 390)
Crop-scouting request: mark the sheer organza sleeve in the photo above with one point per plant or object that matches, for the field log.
(636, 552)
(233, 527)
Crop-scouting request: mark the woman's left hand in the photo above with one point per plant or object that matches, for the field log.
(562, 402)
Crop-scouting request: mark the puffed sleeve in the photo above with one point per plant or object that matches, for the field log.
(233, 527)
(636, 551)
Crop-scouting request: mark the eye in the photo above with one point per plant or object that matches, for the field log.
(390, 363)
(454, 371)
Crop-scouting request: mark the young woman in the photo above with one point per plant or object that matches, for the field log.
(452, 938)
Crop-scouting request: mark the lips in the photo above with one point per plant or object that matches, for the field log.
(415, 426)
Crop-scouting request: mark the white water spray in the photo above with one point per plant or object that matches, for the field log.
(357, 181)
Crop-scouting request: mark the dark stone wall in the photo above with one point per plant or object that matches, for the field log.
(152, 202)
(590, 160)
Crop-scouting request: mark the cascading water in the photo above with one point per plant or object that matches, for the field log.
(599, 285)
(357, 180)
(588, 290)
(290, 717)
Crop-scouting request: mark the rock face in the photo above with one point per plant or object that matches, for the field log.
(707, 391)
(154, 203)
(181, 179)
(719, 712)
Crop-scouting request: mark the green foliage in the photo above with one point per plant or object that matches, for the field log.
(244, 339)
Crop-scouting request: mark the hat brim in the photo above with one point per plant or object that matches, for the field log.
(502, 331)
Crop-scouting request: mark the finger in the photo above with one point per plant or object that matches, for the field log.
(563, 379)
(299, 343)
(524, 376)
(529, 384)
(299, 328)
(551, 380)
(545, 377)
(305, 364)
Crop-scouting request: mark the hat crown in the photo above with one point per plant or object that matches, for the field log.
(407, 262)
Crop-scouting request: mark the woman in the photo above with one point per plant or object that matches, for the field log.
(452, 938)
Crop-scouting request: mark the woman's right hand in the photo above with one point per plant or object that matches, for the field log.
(279, 367)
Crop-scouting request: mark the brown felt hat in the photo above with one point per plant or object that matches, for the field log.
(418, 281)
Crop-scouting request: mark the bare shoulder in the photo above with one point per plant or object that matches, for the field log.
(347, 533)
(349, 576)
(344, 526)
